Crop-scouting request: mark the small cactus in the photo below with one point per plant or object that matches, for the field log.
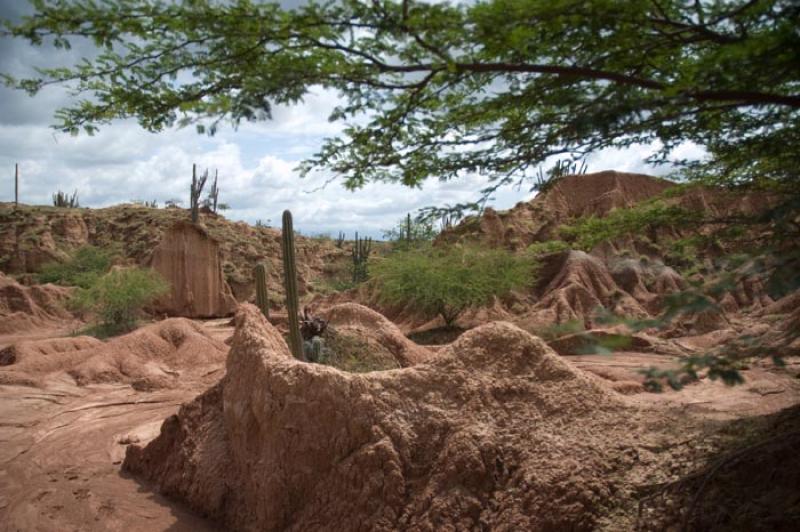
(340, 240)
(260, 274)
(315, 350)
(290, 284)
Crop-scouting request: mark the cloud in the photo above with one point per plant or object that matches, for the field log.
(256, 163)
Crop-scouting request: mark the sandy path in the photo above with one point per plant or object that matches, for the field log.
(60, 446)
(60, 452)
(60, 455)
(766, 389)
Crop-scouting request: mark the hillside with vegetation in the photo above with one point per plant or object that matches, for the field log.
(619, 352)
(33, 236)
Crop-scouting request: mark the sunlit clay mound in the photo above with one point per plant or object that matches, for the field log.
(151, 357)
(23, 308)
(382, 337)
(574, 285)
(494, 431)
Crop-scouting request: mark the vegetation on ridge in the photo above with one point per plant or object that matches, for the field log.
(82, 269)
(118, 297)
(446, 281)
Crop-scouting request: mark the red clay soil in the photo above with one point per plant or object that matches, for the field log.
(189, 259)
(495, 430)
(155, 356)
(381, 337)
(569, 197)
(28, 308)
(60, 455)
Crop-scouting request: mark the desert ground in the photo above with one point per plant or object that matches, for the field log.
(196, 422)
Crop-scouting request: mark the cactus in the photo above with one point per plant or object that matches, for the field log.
(408, 228)
(290, 283)
(260, 274)
(195, 190)
(315, 350)
(361, 249)
(16, 185)
(62, 199)
(213, 194)
(340, 240)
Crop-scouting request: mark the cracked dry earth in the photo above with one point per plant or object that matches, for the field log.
(61, 445)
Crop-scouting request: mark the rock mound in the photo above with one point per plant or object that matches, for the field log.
(33, 235)
(189, 259)
(495, 431)
(573, 286)
(600, 192)
(569, 197)
(23, 308)
(151, 357)
(380, 337)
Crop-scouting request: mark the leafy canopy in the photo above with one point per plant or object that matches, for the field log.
(410, 232)
(118, 297)
(82, 269)
(492, 87)
(445, 281)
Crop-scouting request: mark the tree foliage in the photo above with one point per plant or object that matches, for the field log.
(82, 268)
(433, 89)
(445, 281)
(118, 297)
(410, 232)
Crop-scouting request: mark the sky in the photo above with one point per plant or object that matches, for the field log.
(256, 163)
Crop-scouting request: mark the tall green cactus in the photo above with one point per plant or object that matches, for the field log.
(290, 283)
(262, 301)
(361, 249)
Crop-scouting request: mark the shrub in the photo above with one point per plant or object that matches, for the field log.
(409, 232)
(118, 297)
(82, 269)
(447, 281)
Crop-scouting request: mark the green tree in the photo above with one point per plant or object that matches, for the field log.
(118, 297)
(82, 269)
(410, 232)
(447, 281)
(433, 89)
(492, 87)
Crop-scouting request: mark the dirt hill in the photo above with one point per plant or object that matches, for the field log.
(569, 197)
(33, 235)
(155, 356)
(26, 308)
(574, 196)
(629, 278)
(495, 428)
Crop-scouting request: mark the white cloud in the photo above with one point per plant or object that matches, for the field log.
(256, 163)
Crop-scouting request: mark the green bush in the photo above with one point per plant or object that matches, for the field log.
(118, 297)
(421, 233)
(82, 269)
(589, 231)
(446, 281)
